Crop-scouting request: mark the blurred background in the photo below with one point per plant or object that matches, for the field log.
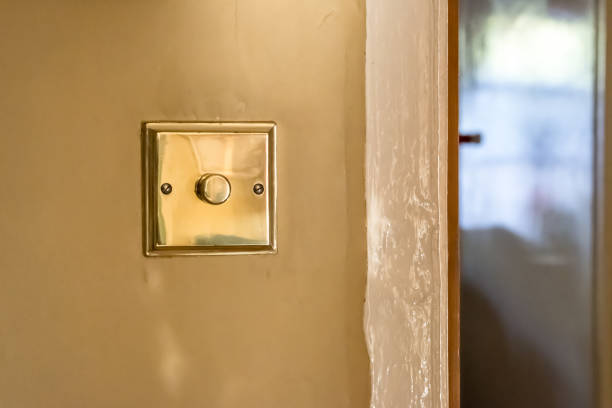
(527, 90)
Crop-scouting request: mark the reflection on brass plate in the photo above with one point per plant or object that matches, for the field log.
(203, 184)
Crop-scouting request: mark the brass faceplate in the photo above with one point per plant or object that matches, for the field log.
(181, 160)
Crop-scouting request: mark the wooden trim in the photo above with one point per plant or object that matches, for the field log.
(603, 210)
(453, 207)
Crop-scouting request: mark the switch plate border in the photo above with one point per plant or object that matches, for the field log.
(149, 132)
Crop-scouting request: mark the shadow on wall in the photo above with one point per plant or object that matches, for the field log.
(520, 333)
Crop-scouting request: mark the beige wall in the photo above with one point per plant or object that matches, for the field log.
(406, 168)
(85, 319)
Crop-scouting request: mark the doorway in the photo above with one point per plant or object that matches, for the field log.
(527, 113)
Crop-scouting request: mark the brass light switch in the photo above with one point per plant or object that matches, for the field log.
(209, 188)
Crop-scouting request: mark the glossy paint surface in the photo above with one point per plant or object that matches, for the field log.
(527, 85)
(85, 319)
(406, 191)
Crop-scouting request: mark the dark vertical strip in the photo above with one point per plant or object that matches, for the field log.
(453, 206)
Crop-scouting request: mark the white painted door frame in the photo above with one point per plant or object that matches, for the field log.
(409, 120)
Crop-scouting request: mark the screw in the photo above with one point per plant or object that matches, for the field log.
(166, 188)
(258, 189)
